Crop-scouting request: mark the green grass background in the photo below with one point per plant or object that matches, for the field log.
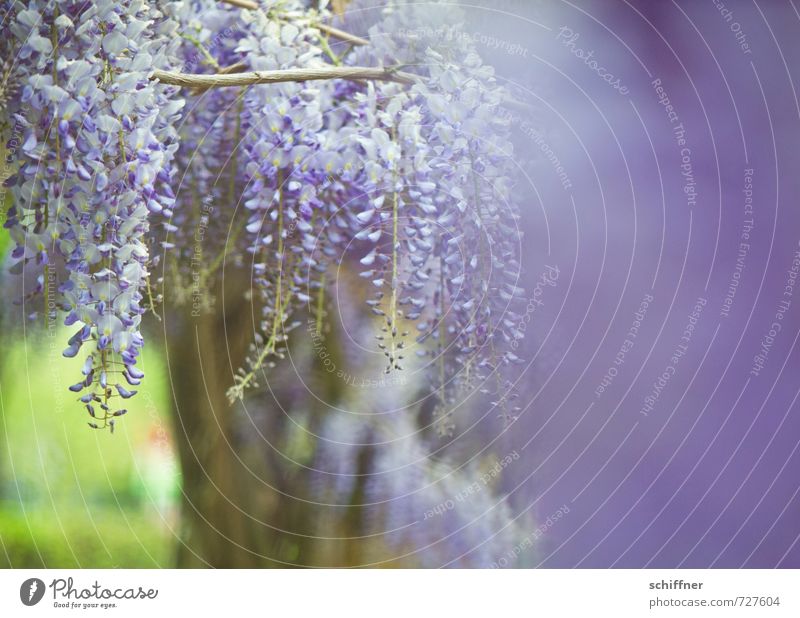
(71, 496)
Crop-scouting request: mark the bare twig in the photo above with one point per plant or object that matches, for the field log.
(238, 78)
(340, 34)
(188, 80)
(243, 4)
(329, 30)
(239, 67)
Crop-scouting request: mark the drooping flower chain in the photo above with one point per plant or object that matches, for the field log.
(460, 239)
(95, 166)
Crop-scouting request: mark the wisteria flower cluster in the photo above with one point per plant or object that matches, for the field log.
(283, 135)
(207, 163)
(408, 180)
(95, 167)
(442, 152)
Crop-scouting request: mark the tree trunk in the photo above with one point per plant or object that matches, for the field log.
(219, 528)
(242, 503)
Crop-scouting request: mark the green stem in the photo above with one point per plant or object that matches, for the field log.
(442, 329)
(54, 41)
(392, 318)
(231, 244)
(485, 271)
(278, 302)
(280, 307)
(150, 297)
(269, 347)
(320, 305)
(206, 54)
(323, 43)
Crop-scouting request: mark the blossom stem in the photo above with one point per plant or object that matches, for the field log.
(230, 244)
(151, 298)
(323, 42)
(279, 286)
(54, 37)
(442, 329)
(269, 348)
(487, 268)
(210, 60)
(393, 361)
(320, 305)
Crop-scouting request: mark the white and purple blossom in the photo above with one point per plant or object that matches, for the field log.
(98, 141)
(411, 184)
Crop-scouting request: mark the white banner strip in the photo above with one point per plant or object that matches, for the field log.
(401, 593)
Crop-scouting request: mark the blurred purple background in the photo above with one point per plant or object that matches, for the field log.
(706, 475)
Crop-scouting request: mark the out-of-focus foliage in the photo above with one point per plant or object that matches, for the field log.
(68, 497)
(34, 540)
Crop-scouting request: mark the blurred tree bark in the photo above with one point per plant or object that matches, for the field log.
(242, 504)
(217, 526)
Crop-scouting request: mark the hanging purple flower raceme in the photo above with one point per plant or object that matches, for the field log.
(414, 180)
(98, 141)
(9, 83)
(208, 181)
(209, 135)
(289, 151)
(457, 243)
(392, 216)
(478, 250)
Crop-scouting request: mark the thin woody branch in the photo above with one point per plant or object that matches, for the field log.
(221, 80)
(340, 34)
(329, 30)
(242, 4)
(354, 40)
(239, 67)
